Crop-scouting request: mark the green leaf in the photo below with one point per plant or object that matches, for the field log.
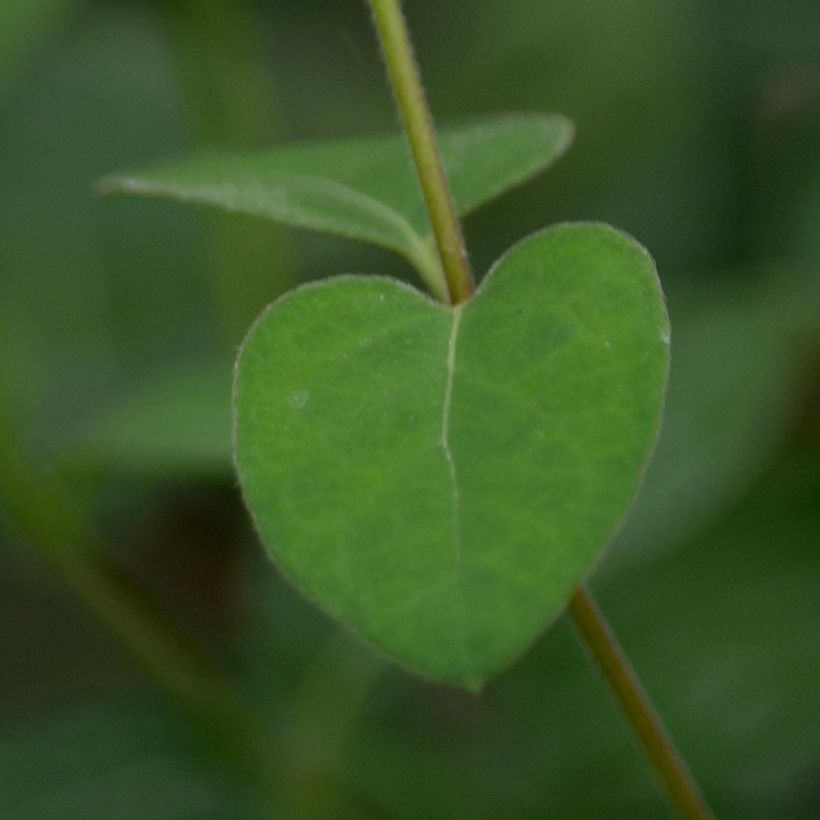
(177, 422)
(441, 478)
(361, 188)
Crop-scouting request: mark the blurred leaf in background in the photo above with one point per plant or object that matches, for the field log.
(113, 759)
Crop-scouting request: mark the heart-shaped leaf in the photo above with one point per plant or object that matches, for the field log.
(441, 478)
(362, 188)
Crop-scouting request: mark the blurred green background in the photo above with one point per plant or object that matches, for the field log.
(698, 131)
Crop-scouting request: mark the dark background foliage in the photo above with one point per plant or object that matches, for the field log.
(698, 131)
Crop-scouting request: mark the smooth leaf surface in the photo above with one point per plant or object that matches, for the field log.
(440, 478)
(361, 188)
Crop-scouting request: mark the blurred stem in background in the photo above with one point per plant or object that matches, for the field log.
(319, 723)
(227, 98)
(589, 621)
(51, 524)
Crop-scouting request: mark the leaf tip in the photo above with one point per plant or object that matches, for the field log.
(117, 185)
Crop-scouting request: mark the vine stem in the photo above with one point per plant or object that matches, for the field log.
(418, 125)
(623, 681)
(589, 620)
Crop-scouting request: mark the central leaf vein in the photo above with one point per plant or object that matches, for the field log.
(458, 590)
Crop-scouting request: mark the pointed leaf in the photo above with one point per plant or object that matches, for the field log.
(442, 478)
(361, 188)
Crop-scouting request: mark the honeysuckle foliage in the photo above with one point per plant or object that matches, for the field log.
(441, 478)
(363, 188)
(438, 477)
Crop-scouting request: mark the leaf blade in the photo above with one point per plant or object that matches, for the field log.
(417, 469)
(362, 188)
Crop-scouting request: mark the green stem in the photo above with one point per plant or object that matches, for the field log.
(591, 625)
(619, 674)
(418, 125)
